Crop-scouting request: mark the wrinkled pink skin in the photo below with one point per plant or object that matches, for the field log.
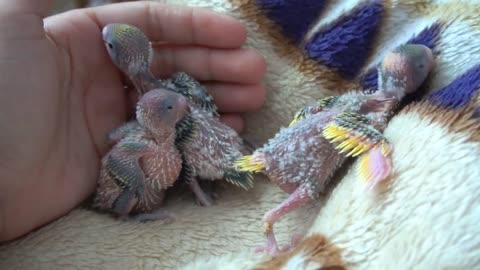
(380, 166)
(312, 159)
(155, 155)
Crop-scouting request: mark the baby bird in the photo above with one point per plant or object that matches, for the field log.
(145, 162)
(131, 51)
(209, 148)
(302, 158)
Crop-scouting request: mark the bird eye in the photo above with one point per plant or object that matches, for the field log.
(169, 107)
(110, 45)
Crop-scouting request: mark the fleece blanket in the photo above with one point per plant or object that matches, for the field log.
(425, 217)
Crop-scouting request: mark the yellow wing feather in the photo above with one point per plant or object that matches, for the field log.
(354, 135)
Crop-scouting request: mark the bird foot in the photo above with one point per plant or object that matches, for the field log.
(268, 249)
(272, 248)
(207, 199)
(204, 194)
(296, 239)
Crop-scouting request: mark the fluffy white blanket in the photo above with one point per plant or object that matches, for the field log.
(425, 217)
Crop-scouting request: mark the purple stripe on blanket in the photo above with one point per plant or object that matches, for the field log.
(459, 92)
(429, 37)
(370, 79)
(345, 45)
(293, 17)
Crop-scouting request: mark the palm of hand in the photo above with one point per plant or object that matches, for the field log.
(59, 113)
(61, 95)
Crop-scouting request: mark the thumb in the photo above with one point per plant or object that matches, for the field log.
(40, 8)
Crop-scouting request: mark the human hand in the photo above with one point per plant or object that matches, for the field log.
(61, 94)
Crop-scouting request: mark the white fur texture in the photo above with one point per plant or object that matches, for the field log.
(425, 217)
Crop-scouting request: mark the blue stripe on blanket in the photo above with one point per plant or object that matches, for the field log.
(370, 79)
(429, 37)
(293, 17)
(459, 92)
(345, 45)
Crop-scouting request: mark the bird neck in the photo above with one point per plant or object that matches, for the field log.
(392, 84)
(393, 88)
(163, 135)
(143, 81)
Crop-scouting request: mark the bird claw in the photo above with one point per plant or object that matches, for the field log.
(272, 248)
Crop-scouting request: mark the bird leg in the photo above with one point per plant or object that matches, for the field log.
(295, 200)
(376, 166)
(201, 197)
(208, 187)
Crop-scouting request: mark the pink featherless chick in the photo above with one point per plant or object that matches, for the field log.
(302, 158)
(139, 168)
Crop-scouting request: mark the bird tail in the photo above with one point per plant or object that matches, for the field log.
(243, 169)
(250, 163)
(238, 178)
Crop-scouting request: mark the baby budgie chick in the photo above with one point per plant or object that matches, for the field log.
(131, 51)
(138, 169)
(302, 158)
(208, 147)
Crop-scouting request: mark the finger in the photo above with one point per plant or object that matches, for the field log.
(229, 98)
(205, 64)
(174, 23)
(234, 121)
(39, 8)
(234, 98)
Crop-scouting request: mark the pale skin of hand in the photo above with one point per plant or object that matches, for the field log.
(61, 95)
